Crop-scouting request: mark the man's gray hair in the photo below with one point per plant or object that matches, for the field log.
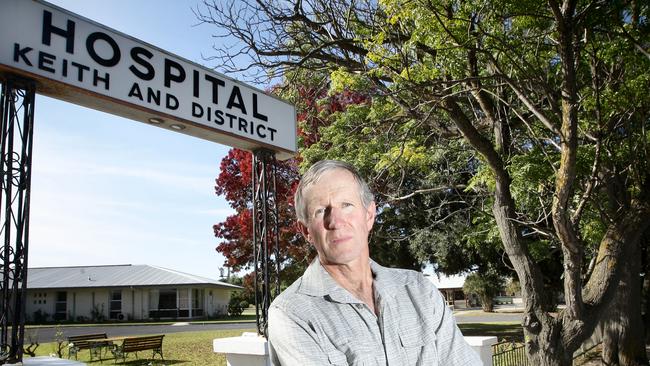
(313, 175)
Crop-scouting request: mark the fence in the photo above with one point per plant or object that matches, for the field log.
(514, 354)
(509, 354)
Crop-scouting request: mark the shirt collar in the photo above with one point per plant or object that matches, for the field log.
(316, 281)
(385, 280)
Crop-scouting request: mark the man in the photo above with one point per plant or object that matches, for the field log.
(346, 309)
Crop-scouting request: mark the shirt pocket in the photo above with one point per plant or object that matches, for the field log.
(337, 358)
(419, 347)
(352, 353)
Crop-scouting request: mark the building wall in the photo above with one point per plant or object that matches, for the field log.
(42, 300)
(135, 302)
(82, 304)
(216, 301)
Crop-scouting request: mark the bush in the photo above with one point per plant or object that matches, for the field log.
(236, 304)
(97, 314)
(485, 285)
(40, 316)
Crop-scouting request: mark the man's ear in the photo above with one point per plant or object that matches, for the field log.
(371, 212)
(302, 228)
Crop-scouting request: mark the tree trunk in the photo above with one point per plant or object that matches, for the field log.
(644, 247)
(546, 348)
(623, 338)
(486, 304)
(543, 338)
(646, 304)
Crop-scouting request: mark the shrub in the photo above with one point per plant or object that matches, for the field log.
(235, 305)
(97, 314)
(40, 316)
(485, 285)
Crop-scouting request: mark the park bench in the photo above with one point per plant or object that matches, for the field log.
(136, 344)
(91, 342)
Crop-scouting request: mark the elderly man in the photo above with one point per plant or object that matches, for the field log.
(346, 309)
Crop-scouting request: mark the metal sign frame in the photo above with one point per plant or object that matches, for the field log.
(71, 58)
(83, 62)
(265, 236)
(17, 126)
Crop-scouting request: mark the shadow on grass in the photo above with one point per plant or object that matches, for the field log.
(503, 332)
(142, 361)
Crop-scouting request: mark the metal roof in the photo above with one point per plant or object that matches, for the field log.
(443, 282)
(125, 275)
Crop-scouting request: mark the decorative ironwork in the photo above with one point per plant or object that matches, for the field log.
(509, 354)
(265, 236)
(17, 111)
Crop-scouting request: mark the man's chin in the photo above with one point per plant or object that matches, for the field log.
(341, 259)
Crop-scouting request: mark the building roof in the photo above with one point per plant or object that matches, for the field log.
(126, 275)
(442, 281)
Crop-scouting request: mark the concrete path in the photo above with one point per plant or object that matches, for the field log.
(502, 313)
(478, 316)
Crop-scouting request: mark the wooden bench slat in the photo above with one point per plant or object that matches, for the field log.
(136, 344)
(79, 342)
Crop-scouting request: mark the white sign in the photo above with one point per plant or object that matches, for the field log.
(80, 61)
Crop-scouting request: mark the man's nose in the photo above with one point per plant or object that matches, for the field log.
(333, 218)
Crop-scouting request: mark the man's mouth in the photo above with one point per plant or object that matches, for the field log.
(339, 240)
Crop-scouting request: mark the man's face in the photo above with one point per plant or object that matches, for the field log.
(337, 223)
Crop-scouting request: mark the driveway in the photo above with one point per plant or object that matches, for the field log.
(479, 316)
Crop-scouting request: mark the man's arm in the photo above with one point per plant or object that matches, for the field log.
(293, 342)
(453, 350)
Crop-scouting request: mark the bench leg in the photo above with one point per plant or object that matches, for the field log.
(118, 353)
(72, 351)
(158, 351)
(96, 352)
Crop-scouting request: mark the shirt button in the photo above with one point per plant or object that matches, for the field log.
(359, 306)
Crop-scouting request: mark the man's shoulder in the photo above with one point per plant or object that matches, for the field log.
(401, 276)
(289, 297)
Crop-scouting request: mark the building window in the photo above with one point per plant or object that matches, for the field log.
(116, 304)
(197, 302)
(163, 303)
(61, 306)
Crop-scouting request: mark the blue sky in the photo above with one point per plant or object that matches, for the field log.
(107, 190)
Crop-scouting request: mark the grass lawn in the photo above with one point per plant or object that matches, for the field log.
(195, 348)
(190, 348)
(249, 311)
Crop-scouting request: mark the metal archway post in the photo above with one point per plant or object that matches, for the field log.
(16, 137)
(265, 236)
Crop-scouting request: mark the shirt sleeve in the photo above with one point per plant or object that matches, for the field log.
(292, 341)
(453, 350)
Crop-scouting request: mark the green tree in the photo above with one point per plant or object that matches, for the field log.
(547, 104)
(485, 285)
(247, 282)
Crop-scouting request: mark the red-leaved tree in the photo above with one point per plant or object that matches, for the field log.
(234, 182)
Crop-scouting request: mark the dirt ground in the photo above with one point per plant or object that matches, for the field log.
(592, 358)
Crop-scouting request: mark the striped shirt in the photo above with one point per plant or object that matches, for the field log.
(317, 322)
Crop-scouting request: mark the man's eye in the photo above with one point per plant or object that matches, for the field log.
(346, 204)
(319, 211)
